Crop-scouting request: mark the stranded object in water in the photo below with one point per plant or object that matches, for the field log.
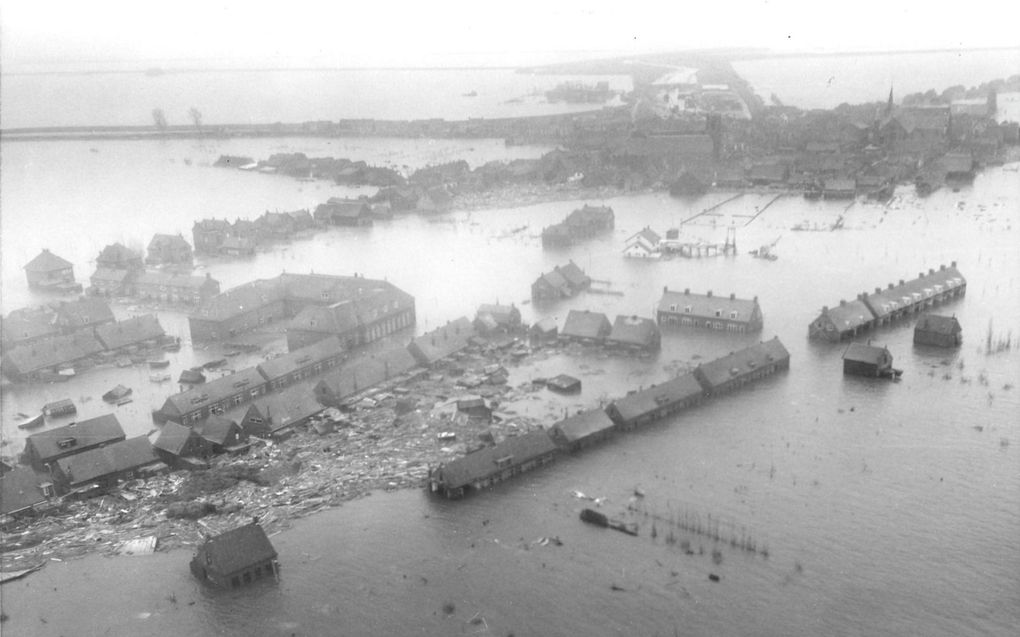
(592, 516)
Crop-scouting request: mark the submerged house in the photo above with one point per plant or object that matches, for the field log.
(940, 331)
(48, 271)
(105, 466)
(582, 430)
(135, 331)
(867, 360)
(564, 281)
(23, 492)
(223, 434)
(742, 367)
(443, 342)
(490, 465)
(634, 333)
(658, 401)
(169, 249)
(215, 397)
(359, 374)
(846, 320)
(275, 416)
(587, 327)
(686, 309)
(240, 556)
(181, 447)
(46, 447)
(492, 317)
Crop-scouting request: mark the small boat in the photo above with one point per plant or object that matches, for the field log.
(117, 394)
(32, 423)
(219, 362)
(159, 378)
(591, 516)
(172, 347)
(158, 364)
(124, 401)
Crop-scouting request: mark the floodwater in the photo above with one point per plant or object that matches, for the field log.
(887, 508)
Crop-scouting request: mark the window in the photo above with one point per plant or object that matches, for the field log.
(672, 307)
(718, 313)
(237, 399)
(733, 314)
(254, 392)
(687, 309)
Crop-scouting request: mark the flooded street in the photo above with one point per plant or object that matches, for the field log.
(887, 508)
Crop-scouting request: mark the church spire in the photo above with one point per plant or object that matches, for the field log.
(889, 104)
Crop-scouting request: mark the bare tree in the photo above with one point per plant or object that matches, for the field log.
(159, 118)
(196, 117)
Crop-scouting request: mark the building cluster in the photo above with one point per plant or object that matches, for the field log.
(355, 309)
(886, 305)
(120, 272)
(580, 225)
(514, 455)
(243, 237)
(47, 343)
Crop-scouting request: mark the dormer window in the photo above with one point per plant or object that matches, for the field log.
(688, 309)
(733, 314)
(718, 313)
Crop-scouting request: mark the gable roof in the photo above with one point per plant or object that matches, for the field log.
(585, 324)
(583, 425)
(633, 330)
(284, 408)
(556, 281)
(113, 458)
(130, 331)
(216, 428)
(743, 362)
(87, 310)
(46, 261)
(109, 275)
(117, 253)
(502, 314)
(673, 391)
(938, 324)
(849, 315)
(366, 371)
(649, 236)
(100, 430)
(300, 358)
(863, 353)
(19, 489)
(52, 351)
(442, 341)
(574, 275)
(894, 297)
(483, 462)
(705, 305)
(29, 323)
(173, 438)
(238, 548)
(212, 392)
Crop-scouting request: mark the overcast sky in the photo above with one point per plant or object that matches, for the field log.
(400, 33)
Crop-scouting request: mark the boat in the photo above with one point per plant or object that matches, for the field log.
(591, 516)
(158, 364)
(32, 423)
(124, 401)
(117, 394)
(61, 407)
(564, 384)
(159, 378)
(172, 347)
(191, 377)
(219, 362)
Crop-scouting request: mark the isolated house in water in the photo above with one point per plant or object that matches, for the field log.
(237, 557)
(169, 249)
(635, 333)
(48, 271)
(867, 360)
(940, 331)
(586, 327)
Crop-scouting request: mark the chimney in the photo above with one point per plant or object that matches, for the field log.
(931, 271)
(920, 275)
(890, 286)
(825, 308)
(952, 264)
(942, 267)
(901, 281)
(732, 296)
(842, 302)
(665, 289)
(710, 294)
(879, 290)
(687, 291)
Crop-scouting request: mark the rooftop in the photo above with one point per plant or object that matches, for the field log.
(46, 261)
(94, 431)
(706, 305)
(648, 400)
(212, 392)
(237, 549)
(743, 362)
(486, 461)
